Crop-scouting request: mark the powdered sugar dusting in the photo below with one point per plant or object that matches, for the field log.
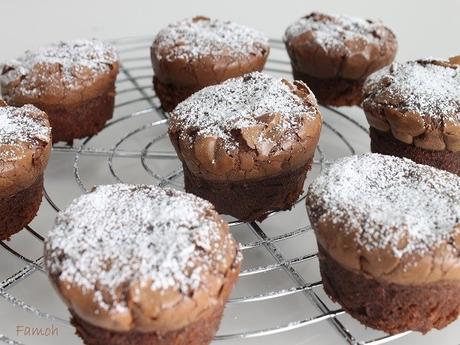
(193, 38)
(21, 126)
(239, 103)
(392, 202)
(332, 31)
(72, 61)
(427, 88)
(121, 234)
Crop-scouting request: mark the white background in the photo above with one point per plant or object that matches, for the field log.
(424, 28)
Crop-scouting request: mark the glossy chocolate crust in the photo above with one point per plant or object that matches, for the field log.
(20, 209)
(26, 166)
(161, 290)
(199, 332)
(380, 221)
(21, 174)
(386, 143)
(207, 158)
(178, 77)
(392, 308)
(440, 264)
(250, 200)
(63, 73)
(418, 108)
(183, 310)
(348, 59)
(76, 91)
(251, 171)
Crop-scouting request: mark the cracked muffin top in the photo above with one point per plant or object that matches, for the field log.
(389, 217)
(419, 101)
(201, 51)
(60, 73)
(247, 127)
(25, 145)
(138, 257)
(332, 46)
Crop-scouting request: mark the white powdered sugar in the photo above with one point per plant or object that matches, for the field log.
(422, 86)
(122, 234)
(391, 202)
(76, 59)
(332, 31)
(19, 126)
(193, 38)
(239, 103)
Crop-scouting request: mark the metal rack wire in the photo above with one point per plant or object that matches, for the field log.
(135, 84)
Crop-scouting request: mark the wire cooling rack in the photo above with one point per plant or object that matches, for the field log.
(279, 298)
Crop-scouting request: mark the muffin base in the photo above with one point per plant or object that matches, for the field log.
(20, 209)
(389, 307)
(335, 92)
(169, 95)
(385, 143)
(199, 333)
(252, 200)
(80, 120)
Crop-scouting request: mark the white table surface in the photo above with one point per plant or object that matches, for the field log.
(423, 29)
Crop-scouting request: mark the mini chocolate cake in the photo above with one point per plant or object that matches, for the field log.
(246, 145)
(413, 109)
(73, 82)
(335, 54)
(141, 265)
(25, 145)
(197, 52)
(388, 233)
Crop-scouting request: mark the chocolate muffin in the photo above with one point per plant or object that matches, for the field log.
(140, 265)
(388, 233)
(25, 146)
(413, 109)
(73, 82)
(246, 145)
(197, 52)
(335, 54)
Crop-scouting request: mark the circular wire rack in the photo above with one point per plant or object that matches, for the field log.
(279, 292)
